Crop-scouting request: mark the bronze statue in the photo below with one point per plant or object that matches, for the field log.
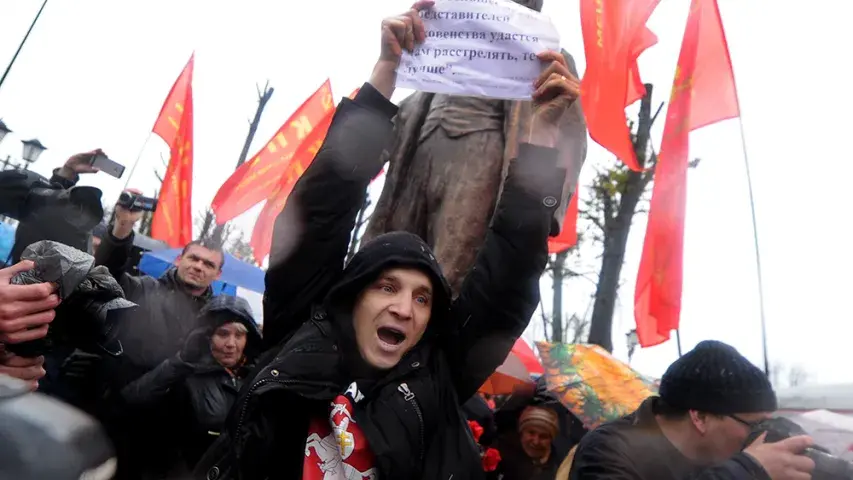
(447, 167)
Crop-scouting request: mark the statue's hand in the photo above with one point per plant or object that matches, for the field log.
(556, 90)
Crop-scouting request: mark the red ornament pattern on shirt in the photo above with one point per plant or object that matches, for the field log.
(336, 448)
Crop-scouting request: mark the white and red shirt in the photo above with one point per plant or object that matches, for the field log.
(336, 448)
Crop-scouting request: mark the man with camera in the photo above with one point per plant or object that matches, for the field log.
(169, 305)
(168, 312)
(711, 402)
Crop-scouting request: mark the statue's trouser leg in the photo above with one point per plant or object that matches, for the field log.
(401, 206)
(465, 175)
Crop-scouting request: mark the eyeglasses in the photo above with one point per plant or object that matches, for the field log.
(750, 425)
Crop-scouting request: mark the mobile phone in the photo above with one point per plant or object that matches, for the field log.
(104, 164)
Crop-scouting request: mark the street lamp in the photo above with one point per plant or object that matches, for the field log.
(32, 150)
(3, 130)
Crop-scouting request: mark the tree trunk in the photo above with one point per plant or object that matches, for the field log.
(558, 270)
(616, 230)
(218, 236)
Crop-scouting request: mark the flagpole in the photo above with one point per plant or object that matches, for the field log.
(21, 45)
(756, 244)
(678, 340)
(138, 157)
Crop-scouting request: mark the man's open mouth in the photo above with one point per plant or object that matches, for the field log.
(391, 335)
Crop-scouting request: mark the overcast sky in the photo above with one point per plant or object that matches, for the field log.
(95, 73)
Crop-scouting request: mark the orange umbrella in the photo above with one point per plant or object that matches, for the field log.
(516, 370)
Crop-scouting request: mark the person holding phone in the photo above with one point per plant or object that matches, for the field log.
(56, 209)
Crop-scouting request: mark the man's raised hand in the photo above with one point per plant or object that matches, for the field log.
(403, 32)
(399, 33)
(79, 163)
(25, 310)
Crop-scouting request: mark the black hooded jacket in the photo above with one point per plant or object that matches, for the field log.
(410, 415)
(199, 391)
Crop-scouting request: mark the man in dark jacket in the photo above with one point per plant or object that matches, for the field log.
(709, 400)
(372, 362)
(168, 311)
(199, 384)
(169, 305)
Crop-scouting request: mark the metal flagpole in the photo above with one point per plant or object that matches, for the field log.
(21, 45)
(138, 157)
(678, 340)
(757, 249)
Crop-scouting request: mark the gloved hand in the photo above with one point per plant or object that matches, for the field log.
(196, 347)
(80, 365)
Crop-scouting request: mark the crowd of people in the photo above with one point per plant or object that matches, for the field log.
(368, 369)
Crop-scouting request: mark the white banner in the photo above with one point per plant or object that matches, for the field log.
(481, 48)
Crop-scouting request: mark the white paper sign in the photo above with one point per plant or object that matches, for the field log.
(481, 48)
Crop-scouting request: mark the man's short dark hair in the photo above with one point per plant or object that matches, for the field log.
(207, 245)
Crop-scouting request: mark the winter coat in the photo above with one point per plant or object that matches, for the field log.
(634, 448)
(200, 392)
(167, 314)
(410, 416)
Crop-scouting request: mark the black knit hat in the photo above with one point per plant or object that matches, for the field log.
(715, 378)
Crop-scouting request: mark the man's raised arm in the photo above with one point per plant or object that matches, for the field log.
(312, 233)
(501, 291)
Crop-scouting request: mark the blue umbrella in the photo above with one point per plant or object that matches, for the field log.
(235, 272)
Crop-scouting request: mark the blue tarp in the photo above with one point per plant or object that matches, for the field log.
(7, 240)
(235, 272)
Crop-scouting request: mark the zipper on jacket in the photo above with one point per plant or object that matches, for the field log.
(409, 396)
(258, 384)
(245, 405)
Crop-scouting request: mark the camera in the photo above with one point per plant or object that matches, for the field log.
(827, 466)
(135, 202)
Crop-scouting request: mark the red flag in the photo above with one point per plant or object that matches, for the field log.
(256, 179)
(172, 222)
(568, 236)
(636, 89)
(261, 240)
(614, 35)
(703, 92)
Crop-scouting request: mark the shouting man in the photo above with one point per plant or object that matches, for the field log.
(376, 358)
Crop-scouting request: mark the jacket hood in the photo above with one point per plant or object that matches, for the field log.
(223, 309)
(396, 249)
